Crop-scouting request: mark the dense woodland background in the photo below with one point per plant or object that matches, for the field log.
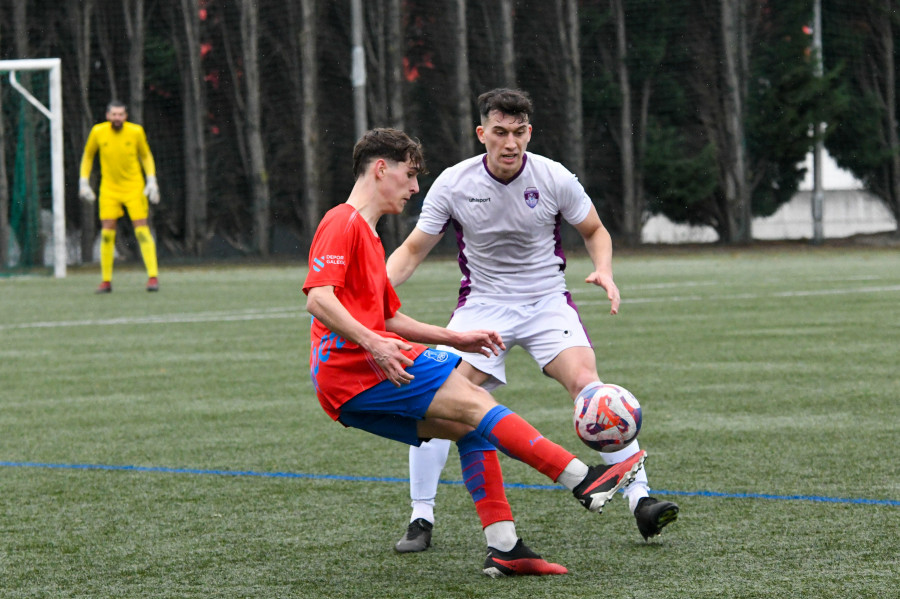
(698, 109)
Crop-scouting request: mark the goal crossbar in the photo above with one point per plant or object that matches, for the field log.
(55, 115)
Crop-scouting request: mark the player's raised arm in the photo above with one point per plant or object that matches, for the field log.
(405, 259)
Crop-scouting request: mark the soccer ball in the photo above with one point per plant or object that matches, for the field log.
(608, 419)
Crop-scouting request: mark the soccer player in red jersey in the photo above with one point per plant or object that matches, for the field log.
(371, 371)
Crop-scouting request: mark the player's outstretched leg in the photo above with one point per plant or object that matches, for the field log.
(602, 482)
(592, 486)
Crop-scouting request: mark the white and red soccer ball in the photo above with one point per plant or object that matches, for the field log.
(608, 419)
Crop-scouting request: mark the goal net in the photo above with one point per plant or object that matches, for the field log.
(32, 195)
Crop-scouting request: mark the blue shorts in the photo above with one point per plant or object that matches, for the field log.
(394, 412)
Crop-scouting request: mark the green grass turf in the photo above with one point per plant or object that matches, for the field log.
(760, 372)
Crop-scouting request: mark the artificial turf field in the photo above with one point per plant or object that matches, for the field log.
(169, 445)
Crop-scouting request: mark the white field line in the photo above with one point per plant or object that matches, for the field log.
(745, 296)
(235, 315)
(294, 312)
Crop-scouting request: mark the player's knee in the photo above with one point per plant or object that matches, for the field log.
(582, 379)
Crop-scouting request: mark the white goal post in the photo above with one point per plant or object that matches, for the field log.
(55, 115)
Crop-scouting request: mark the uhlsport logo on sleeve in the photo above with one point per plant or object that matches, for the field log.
(532, 195)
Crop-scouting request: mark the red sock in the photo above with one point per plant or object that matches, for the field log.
(522, 441)
(484, 480)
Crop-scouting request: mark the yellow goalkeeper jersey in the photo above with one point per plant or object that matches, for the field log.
(122, 154)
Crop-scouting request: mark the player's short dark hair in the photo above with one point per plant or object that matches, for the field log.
(116, 104)
(391, 144)
(511, 102)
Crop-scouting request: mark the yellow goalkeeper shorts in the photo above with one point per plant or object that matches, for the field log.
(113, 206)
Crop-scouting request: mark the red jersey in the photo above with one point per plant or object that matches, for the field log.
(346, 254)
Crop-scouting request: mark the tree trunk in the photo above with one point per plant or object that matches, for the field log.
(395, 64)
(136, 31)
(259, 178)
(507, 43)
(376, 52)
(632, 216)
(464, 124)
(394, 228)
(890, 108)
(737, 194)
(80, 17)
(107, 54)
(310, 133)
(567, 13)
(4, 196)
(358, 69)
(194, 106)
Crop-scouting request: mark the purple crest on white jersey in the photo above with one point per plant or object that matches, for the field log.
(532, 195)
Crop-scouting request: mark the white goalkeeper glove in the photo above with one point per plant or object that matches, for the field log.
(85, 192)
(152, 190)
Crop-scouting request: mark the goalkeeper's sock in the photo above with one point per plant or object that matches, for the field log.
(107, 253)
(148, 249)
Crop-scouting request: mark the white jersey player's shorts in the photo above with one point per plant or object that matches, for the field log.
(544, 329)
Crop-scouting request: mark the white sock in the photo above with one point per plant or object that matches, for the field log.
(574, 473)
(501, 535)
(422, 509)
(425, 465)
(639, 487)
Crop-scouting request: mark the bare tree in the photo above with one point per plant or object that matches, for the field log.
(310, 132)
(107, 51)
(358, 69)
(80, 17)
(507, 43)
(463, 88)
(570, 45)
(301, 53)
(883, 40)
(375, 40)
(136, 31)
(631, 208)
(395, 64)
(632, 194)
(394, 227)
(735, 64)
(187, 43)
(4, 195)
(258, 176)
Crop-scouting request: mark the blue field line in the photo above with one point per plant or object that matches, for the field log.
(391, 479)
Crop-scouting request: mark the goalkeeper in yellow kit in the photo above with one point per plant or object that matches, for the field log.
(125, 159)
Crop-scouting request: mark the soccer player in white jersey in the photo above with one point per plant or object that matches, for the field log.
(506, 207)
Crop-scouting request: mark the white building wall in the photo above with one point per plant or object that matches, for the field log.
(847, 210)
